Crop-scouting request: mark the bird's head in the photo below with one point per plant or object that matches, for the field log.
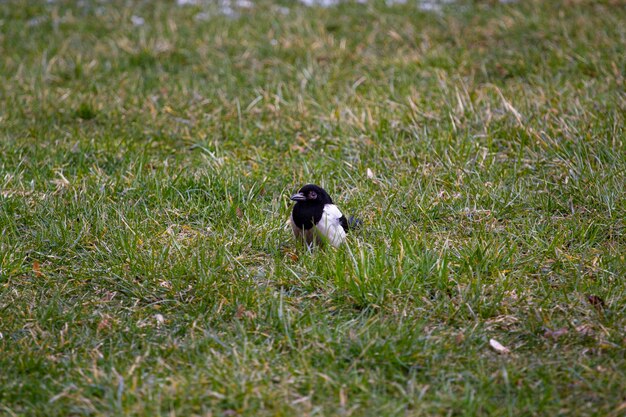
(311, 193)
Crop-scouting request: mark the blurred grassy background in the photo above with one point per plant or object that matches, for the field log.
(147, 152)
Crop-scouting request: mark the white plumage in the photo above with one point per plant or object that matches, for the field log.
(330, 227)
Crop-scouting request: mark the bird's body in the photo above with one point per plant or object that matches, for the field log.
(316, 219)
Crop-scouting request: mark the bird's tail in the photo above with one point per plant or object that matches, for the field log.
(350, 223)
(354, 223)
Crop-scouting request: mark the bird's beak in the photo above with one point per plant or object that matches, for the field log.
(298, 197)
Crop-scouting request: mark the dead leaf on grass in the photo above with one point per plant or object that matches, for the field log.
(498, 347)
(105, 323)
(555, 334)
(596, 301)
(584, 330)
(159, 319)
(37, 269)
(242, 312)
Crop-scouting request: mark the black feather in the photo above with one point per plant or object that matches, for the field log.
(344, 223)
(307, 213)
(349, 223)
(354, 223)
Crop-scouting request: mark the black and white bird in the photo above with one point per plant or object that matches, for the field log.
(316, 219)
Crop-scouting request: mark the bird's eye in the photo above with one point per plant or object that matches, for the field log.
(312, 195)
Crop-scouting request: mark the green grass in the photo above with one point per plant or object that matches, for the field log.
(145, 267)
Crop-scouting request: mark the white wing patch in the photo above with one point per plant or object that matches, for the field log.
(329, 225)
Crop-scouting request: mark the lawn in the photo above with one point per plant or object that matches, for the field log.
(147, 154)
